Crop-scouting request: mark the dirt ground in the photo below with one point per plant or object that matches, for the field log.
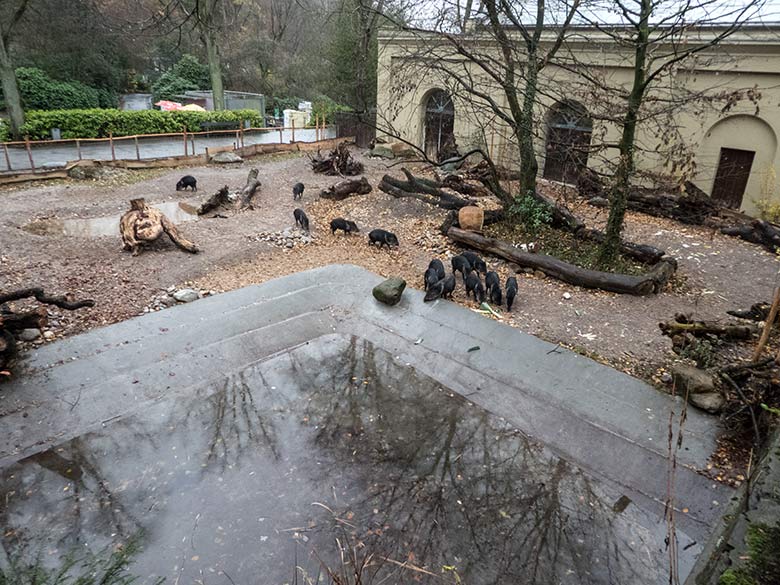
(716, 272)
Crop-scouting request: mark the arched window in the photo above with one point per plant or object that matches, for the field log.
(568, 139)
(439, 123)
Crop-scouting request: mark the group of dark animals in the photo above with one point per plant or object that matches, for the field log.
(437, 283)
(377, 236)
(440, 285)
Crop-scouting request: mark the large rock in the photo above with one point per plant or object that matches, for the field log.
(28, 335)
(699, 386)
(186, 295)
(381, 151)
(226, 158)
(389, 292)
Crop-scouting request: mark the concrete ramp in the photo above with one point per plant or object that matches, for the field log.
(435, 436)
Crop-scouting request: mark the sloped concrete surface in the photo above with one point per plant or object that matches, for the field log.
(612, 426)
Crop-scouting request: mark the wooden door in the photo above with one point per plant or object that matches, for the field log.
(567, 154)
(732, 176)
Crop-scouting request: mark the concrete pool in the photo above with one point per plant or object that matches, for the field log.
(248, 433)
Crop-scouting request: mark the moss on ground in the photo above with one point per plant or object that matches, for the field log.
(762, 565)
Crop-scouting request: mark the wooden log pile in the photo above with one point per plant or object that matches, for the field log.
(12, 323)
(338, 163)
(347, 188)
(646, 284)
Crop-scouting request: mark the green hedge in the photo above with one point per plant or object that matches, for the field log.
(40, 92)
(97, 123)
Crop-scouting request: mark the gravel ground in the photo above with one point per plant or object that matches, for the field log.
(716, 272)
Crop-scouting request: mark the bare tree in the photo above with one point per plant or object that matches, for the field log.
(490, 58)
(13, 101)
(662, 35)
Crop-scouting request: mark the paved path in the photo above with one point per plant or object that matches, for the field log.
(48, 156)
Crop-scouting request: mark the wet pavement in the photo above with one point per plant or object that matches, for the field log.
(332, 440)
(53, 155)
(250, 432)
(92, 227)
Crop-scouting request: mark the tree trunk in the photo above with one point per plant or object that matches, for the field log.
(528, 164)
(423, 190)
(13, 101)
(215, 68)
(651, 282)
(625, 169)
(701, 328)
(143, 224)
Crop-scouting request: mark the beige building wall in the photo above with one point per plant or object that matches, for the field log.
(749, 59)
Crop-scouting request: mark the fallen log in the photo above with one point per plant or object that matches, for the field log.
(757, 231)
(36, 319)
(757, 312)
(347, 188)
(143, 224)
(221, 198)
(701, 328)
(651, 282)
(642, 252)
(423, 190)
(58, 301)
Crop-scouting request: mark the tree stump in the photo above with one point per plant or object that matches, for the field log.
(143, 224)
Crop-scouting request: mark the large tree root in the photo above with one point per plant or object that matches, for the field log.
(143, 224)
(649, 283)
(40, 296)
(338, 162)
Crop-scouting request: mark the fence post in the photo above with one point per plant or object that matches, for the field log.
(7, 156)
(292, 121)
(184, 135)
(78, 148)
(280, 136)
(111, 142)
(193, 144)
(137, 150)
(241, 130)
(29, 152)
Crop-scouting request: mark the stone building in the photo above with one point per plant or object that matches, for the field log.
(734, 147)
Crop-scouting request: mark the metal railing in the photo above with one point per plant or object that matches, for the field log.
(44, 155)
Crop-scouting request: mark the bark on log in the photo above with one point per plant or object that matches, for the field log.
(252, 184)
(757, 312)
(220, 198)
(36, 319)
(143, 224)
(423, 190)
(59, 301)
(757, 231)
(619, 283)
(338, 162)
(700, 328)
(347, 188)
(641, 252)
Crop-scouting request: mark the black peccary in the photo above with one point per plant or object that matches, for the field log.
(441, 289)
(430, 277)
(492, 281)
(382, 237)
(187, 181)
(511, 292)
(462, 265)
(474, 285)
(476, 262)
(495, 295)
(301, 219)
(343, 224)
(438, 266)
(297, 191)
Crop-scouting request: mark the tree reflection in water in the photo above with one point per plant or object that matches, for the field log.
(221, 480)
